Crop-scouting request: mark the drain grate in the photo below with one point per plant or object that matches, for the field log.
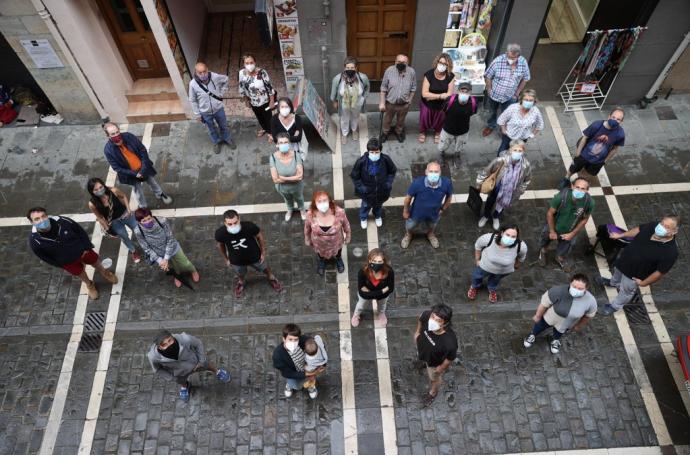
(94, 322)
(637, 314)
(90, 342)
(665, 113)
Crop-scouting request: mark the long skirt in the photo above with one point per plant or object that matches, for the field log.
(430, 119)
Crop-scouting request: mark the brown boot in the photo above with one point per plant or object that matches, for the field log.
(109, 276)
(92, 290)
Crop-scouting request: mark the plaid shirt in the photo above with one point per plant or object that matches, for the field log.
(505, 80)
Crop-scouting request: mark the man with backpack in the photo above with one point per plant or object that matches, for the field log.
(461, 106)
(205, 95)
(568, 213)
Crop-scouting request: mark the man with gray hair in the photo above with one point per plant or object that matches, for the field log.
(176, 357)
(397, 90)
(505, 78)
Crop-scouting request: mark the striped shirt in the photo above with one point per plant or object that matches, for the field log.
(505, 79)
(398, 86)
(519, 126)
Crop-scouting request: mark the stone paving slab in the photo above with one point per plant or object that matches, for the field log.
(250, 415)
(29, 371)
(500, 398)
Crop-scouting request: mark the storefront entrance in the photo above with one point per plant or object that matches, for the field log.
(130, 30)
(377, 31)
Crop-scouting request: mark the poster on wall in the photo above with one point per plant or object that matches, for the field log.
(285, 8)
(42, 53)
(314, 108)
(290, 48)
(287, 27)
(293, 67)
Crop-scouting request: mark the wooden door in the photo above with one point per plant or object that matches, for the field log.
(132, 33)
(377, 31)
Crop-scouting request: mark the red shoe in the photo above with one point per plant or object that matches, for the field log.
(239, 289)
(493, 297)
(472, 293)
(486, 131)
(135, 257)
(276, 285)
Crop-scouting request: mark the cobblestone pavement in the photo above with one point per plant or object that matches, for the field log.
(498, 398)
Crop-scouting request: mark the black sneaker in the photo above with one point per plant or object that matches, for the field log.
(383, 138)
(542, 258)
(231, 144)
(167, 200)
(216, 148)
(401, 136)
(604, 281)
(427, 399)
(340, 265)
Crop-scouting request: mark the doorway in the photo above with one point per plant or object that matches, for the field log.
(130, 29)
(377, 31)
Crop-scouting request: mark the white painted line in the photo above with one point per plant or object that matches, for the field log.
(655, 450)
(651, 404)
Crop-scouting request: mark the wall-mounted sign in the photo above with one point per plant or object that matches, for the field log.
(287, 27)
(42, 53)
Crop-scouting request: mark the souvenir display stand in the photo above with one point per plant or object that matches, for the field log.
(589, 81)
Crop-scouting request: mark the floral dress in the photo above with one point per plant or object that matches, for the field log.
(256, 87)
(327, 243)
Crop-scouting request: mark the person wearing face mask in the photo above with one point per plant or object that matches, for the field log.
(242, 245)
(175, 357)
(568, 213)
(437, 346)
(372, 176)
(288, 358)
(129, 159)
(287, 122)
(460, 107)
(257, 93)
(111, 207)
(598, 144)
(62, 242)
(287, 172)
(427, 199)
(397, 91)
(505, 78)
(563, 307)
(496, 255)
(206, 91)
(349, 91)
(644, 261)
(375, 281)
(520, 121)
(437, 87)
(514, 176)
(326, 230)
(155, 236)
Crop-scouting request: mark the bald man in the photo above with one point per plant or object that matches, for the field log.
(130, 160)
(206, 96)
(397, 90)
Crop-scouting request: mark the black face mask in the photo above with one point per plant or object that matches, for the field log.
(376, 267)
(401, 66)
(172, 351)
(350, 73)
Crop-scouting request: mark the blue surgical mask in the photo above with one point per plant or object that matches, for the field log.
(463, 97)
(576, 292)
(527, 104)
(516, 156)
(660, 230)
(433, 177)
(284, 148)
(234, 229)
(507, 240)
(613, 123)
(578, 194)
(43, 225)
(374, 156)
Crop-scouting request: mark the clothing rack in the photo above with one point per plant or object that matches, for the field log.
(591, 77)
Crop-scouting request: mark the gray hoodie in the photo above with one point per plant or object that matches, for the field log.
(204, 103)
(191, 354)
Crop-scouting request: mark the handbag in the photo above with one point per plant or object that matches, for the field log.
(304, 146)
(489, 183)
(474, 201)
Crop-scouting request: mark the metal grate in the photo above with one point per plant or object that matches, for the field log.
(665, 113)
(90, 342)
(636, 313)
(94, 322)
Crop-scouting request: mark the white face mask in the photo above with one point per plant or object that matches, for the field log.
(511, 61)
(441, 68)
(433, 325)
(576, 292)
(291, 345)
(250, 67)
(323, 206)
(284, 111)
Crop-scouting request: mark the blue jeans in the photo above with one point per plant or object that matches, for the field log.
(478, 275)
(118, 227)
(365, 207)
(295, 384)
(542, 325)
(493, 111)
(222, 122)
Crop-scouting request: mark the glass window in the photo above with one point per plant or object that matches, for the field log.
(142, 16)
(122, 15)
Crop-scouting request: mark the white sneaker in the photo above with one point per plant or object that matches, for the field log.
(529, 341)
(288, 215)
(482, 221)
(496, 224)
(303, 215)
(288, 391)
(379, 222)
(313, 393)
(555, 346)
(363, 223)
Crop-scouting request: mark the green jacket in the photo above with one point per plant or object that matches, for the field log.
(335, 92)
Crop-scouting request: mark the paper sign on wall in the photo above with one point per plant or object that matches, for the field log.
(287, 26)
(42, 53)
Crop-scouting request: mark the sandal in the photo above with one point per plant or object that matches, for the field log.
(260, 133)
(437, 138)
(239, 289)
(421, 138)
(275, 284)
(428, 399)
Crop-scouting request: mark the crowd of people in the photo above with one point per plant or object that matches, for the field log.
(446, 108)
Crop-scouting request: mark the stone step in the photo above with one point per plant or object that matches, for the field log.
(155, 111)
(155, 89)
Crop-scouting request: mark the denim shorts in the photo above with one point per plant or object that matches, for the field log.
(424, 225)
(258, 266)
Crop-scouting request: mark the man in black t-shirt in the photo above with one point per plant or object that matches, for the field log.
(459, 109)
(242, 245)
(437, 345)
(645, 261)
